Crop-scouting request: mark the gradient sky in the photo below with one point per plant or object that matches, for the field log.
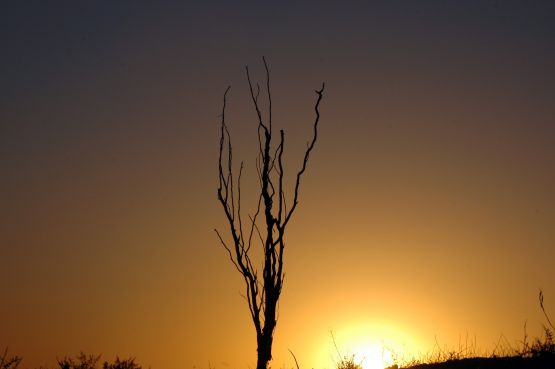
(427, 212)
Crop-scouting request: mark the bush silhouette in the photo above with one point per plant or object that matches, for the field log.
(122, 364)
(84, 361)
(9, 362)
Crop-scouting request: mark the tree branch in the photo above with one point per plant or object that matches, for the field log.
(306, 155)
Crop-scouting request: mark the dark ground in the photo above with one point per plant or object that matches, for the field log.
(516, 362)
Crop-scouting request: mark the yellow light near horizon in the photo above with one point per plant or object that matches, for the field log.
(372, 345)
(371, 355)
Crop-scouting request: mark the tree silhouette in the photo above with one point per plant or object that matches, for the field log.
(262, 293)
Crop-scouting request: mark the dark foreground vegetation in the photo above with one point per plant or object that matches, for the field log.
(514, 362)
(82, 361)
(538, 353)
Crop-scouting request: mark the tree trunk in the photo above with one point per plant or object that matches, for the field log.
(264, 350)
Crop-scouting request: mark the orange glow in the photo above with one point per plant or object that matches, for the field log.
(372, 345)
(426, 214)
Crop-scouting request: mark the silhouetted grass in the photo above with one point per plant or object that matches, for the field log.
(82, 361)
(538, 353)
(348, 362)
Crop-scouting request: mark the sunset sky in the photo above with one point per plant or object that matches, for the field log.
(427, 212)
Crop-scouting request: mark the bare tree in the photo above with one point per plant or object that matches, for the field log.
(262, 292)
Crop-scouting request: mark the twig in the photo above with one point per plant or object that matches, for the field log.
(294, 358)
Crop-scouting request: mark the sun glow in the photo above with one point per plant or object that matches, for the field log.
(370, 344)
(371, 355)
